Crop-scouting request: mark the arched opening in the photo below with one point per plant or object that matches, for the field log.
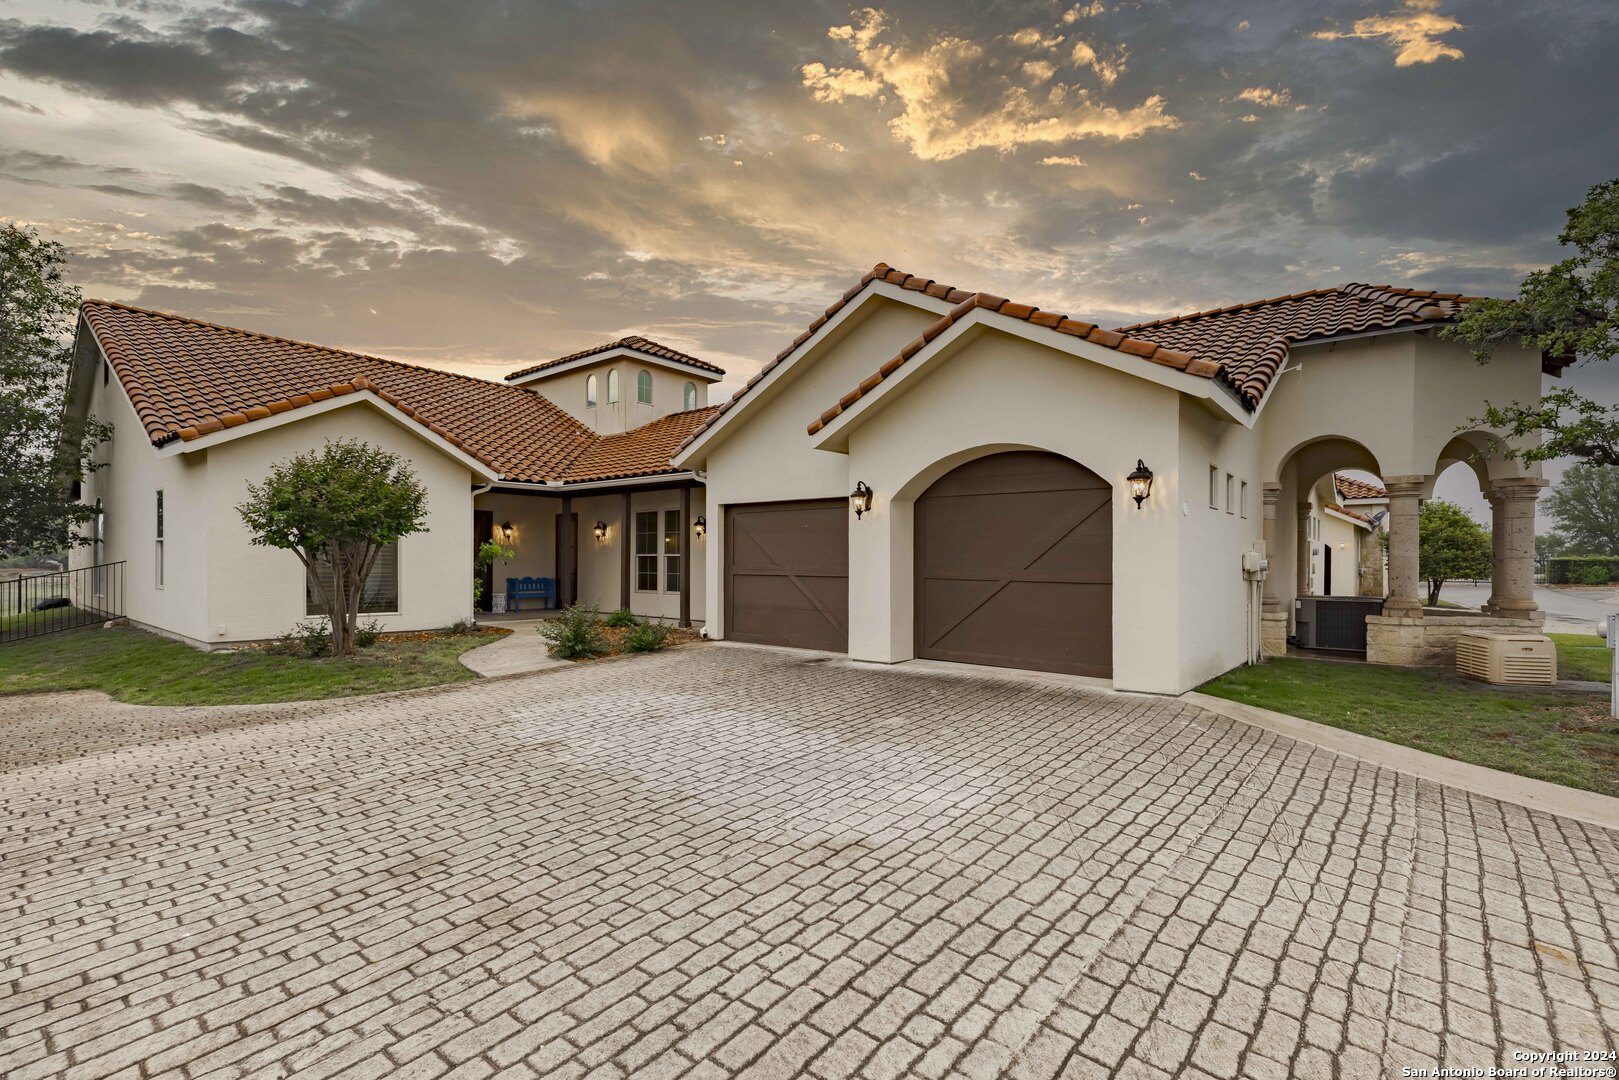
(1014, 565)
(590, 391)
(689, 399)
(612, 386)
(643, 387)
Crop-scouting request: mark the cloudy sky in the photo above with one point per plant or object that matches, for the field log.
(479, 185)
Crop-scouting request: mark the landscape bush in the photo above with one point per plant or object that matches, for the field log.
(1582, 570)
(646, 637)
(620, 619)
(575, 634)
(307, 639)
(366, 634)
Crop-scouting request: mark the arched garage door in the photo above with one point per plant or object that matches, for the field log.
(1014, 566)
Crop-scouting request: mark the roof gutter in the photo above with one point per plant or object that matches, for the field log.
(557, 487)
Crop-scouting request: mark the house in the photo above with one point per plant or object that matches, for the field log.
(567, 463)
(924, 472)
(1345, 556)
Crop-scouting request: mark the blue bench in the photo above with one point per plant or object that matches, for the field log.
(542, 589)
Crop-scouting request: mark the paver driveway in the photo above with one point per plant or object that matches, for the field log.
(727, 860)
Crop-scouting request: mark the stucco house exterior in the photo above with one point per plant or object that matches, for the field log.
(924, 472)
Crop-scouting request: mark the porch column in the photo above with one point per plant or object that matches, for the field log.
(685, 556)
(1498, 532)
(1514, 572)
(1405, 506)
(1303, 568)
(1272, 494)
(626, 538)
(565, 542)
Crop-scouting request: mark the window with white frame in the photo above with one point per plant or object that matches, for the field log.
(381, 593)
(671, 551)
(646, 551)
(689, 402)
(1230, 493)
(158, 569)
(1214, 487)
(643, 387)
(590, 391)
(612, 386)
(1242, 498)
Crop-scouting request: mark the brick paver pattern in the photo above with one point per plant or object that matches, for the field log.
(727, 861)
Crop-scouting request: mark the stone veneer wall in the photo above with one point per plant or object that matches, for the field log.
(1430, 640)
(1371, 565)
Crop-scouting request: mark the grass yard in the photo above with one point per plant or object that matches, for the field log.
(1583, 656)
(145, 669)
(1566, 738)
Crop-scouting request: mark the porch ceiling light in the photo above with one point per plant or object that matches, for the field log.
(860, 499)
(700, 527)
(1140, 483)
(601, 531)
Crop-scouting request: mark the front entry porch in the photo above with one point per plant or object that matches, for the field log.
(632, 546)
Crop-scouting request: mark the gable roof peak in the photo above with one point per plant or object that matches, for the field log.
(634, 342)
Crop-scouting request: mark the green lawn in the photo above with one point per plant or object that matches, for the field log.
(1566, 738)
(143, 668)
(1583, 656)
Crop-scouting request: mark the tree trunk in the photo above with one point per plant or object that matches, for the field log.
(342, 599)
(1433, 591)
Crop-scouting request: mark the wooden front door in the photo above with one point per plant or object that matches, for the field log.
(570, 593)
(483, 528)
(1014, 565)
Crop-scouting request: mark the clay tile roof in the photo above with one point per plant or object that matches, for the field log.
(1062, 324)
(188, 378)
(1250, 342)
(1346, 512)
(639, 344)
(1350, 488)
(640, 452)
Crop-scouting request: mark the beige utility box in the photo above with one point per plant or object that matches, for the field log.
(1508, 659)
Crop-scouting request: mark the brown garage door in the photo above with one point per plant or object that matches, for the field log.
(787, 574)
(1014, 566)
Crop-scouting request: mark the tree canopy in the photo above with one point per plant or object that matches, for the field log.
(1452, 546)
(337, 507)
(44, 450)
(1570, 308)
(1585, 506)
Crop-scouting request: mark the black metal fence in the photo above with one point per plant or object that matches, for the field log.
(41, 604)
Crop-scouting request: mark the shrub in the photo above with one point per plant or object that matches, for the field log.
(1582, 569)
(1593, 574)
(366, 634)
(575, 634)
(646, 637)
(620, 619)
(309, 639)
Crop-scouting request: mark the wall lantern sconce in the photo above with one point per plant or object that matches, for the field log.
(505, 532)
(700, 527)
(860, 499)
(600, 531)
(1140, 483)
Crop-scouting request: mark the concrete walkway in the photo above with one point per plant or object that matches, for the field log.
(519, 653)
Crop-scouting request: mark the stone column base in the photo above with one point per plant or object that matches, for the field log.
(1273, 634)
(1429, 641)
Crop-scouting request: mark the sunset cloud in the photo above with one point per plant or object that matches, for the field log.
(1413, 30)
(954, 96)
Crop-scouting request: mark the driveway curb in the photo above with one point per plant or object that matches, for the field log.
(1586, 806)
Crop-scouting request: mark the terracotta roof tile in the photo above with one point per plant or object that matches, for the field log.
(644, 451)
(1249, 343)
(970, 302)
(188, 378)
(1348, 487)
(634, 341)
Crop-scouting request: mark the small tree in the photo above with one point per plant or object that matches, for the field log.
(1585, 505)
(44, 450)
(1570, 308)
(483, 559)
(340, 506)
(1452, 546)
